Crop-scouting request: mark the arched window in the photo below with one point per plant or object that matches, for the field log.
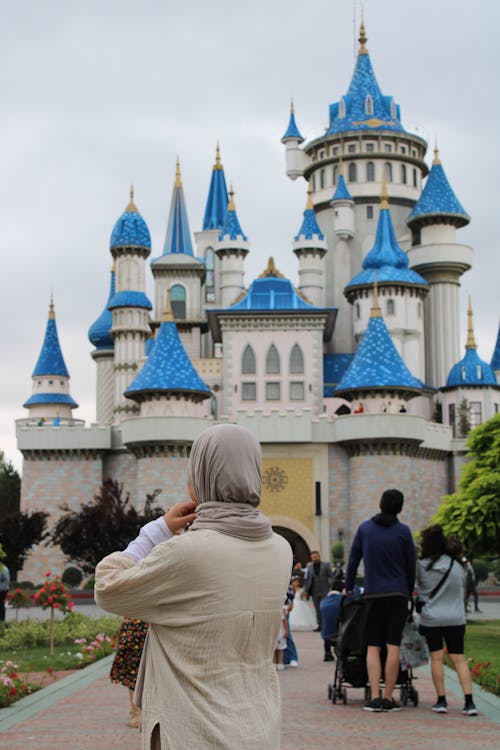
(353, 172)
(370, 172)
(335, 174)
(358, 311)
(403, 174)
(342, 108)
(248, 365)
(296, 360)
(178, 301)
(313, 182)
(388, 171)
(415, 181)
(322, 179)
(368, 105)
(272, 361)
(210, 275)
(390, 307)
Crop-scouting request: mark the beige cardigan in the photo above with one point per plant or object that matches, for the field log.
(214, 607)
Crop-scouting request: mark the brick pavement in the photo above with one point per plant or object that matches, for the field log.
(86, 712)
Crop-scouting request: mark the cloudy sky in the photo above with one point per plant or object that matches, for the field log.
(96, 95)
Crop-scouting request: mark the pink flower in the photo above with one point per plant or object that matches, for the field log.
(48, 574)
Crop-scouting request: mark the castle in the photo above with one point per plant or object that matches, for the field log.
(353, 382)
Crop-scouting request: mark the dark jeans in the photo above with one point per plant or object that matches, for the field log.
(316, 600)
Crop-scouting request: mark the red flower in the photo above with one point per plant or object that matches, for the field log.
(13, 691)
(52, 588)
(49, 670)
(48, 574)
(50, 599)
(56, 605)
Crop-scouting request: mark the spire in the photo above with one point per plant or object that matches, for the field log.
(309, 229)
(438, 200)
(231, 229)
(230, 205)
(52, 314)
(51, 360)
(495, 360)
(131, 206)
(216, 207)
(376, 312)
(178, 236)
(292, 132)
(471, 343)
(362, 39)
(309, 204)
(384, 196)
(437, 160)
(168, 315)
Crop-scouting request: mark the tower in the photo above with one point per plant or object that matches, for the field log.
(130, 245)
(495, 360)
(292, 140)
(441, 260)
(310, 248)
(103, 355)
(51, 399)
(232, 249)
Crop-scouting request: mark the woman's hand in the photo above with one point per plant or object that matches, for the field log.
(180, 515)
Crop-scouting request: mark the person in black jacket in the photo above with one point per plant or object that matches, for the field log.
(318, 582)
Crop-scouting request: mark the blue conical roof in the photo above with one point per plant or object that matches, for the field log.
(232, 229)
(438, 199)
(178, 237)
(309, 228)
(495, 360)
(341, 193)
(51, 360)
(386, 261)
(216, 208)
(292, 132)
(100, 331)
(377, 364)
(130, 230)
(167, 369)
(364, 107)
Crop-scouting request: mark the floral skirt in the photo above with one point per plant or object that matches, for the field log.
(128, 653)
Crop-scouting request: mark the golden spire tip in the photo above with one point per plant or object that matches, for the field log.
(178, 181)
(292, 108)
(471, 341)
(230, 205)
(362, 39)
(309, 204)
(52, 313)
(131, 206)
(217, 164)
(168, 315)
(341, 165)
(437, 160)
(384, 196)
(376, 312)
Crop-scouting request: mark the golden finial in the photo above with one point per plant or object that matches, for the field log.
(341, 166)
(309, 204)
(271, 270)
(230, 205)
(471, 342)
(292, 108)
(384, 196)
(217, 164)
(362, 39)
(113, 267)
(131, 206)
(376, 312)
(178, 181)
(437, 160)
(52, 314)
(168, 315)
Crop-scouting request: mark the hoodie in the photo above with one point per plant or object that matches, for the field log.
(446, 609)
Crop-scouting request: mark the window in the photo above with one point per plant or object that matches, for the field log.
(296, 391)
(321, 154)
(403, 174)
(273, 391)
(248, 366)
(414, 152)
(370, 172)
(335, 150)
(479, 372)
(368, 105)
(178, 301)
(415, 181)
(335, 174)
(419, 310)
(451, 418)
(358, 311)
(369, 212)
(342, 108)
(387, 148)
(390, 308)
(403, 149)
(272, 361)
(313, 183)
(388, 171)
(248, 391)
(353, 172)
(210, 275)
(51, 382)
(322, 179)
(296, 360)
(370, 148)
(475, 414)
(352, 148)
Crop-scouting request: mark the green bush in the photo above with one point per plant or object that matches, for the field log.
(31, 633)
(89, 584)
(26, 585)
(338, 552)
(481, 569)
(72, 577)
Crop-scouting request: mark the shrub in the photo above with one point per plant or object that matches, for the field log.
(72, 577)
(89, 584)
(481, 569)
(32, 633)
(12, 686)
(338, 552)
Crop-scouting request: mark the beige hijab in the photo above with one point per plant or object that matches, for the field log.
(225, 472)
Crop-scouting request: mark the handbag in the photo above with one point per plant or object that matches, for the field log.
(414, 648)
(420, 603)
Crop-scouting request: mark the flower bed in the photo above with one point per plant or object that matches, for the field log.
(12, 685)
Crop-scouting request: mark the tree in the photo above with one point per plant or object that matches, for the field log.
(107, 523)
(473, 513)
(19, 532)
(10, 488)
(463, 418)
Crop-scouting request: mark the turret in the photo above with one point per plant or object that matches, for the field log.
(130, 245)
(51, 401)
(292, 140)
(232, 249)
(343, 208)
(441, 260)
(495, 360)
(310, 247)
(103, 355)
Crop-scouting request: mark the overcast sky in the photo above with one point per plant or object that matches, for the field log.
(96, 95)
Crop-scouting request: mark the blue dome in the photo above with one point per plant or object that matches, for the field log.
(50, 398)
(471, 370)
(100, 331)
(130, 230)
(377, 365)
(341, 193)
(129, 299)
(438, 200)
(167, 369)
(51, 360)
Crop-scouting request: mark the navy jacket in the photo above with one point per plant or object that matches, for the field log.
(389, 558)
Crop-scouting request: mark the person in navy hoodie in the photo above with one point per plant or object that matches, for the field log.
(388, 552)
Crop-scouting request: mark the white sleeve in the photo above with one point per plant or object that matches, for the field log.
(150, 535)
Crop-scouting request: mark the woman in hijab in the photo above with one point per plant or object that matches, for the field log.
(213, 600)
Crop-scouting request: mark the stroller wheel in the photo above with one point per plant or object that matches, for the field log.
(414, 696)
(330, 692)
(334, 697)
(344, 696)
(404, 696)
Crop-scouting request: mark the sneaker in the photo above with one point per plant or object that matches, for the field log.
(469, 709)
(391, 705)
(328, 657)
(374, 705)
(294, 663)
(440, 707)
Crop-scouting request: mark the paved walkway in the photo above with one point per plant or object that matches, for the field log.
(84, 711)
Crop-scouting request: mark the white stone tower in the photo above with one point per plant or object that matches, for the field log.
(232, 249)
(310, 248)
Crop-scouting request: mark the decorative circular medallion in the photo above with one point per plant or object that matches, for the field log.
(274, 479)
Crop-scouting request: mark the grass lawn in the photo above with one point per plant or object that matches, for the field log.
(482, 641)
(38, 659)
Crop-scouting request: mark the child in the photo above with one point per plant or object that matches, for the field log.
(281, 642)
